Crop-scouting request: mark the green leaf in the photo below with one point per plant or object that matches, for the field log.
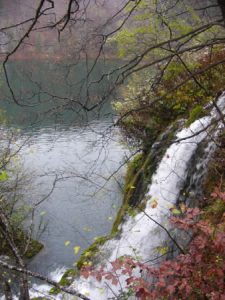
(176, 211)
(4, 176)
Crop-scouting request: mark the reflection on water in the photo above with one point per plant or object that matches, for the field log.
(83, 204)
(55, 93)
(72, 146)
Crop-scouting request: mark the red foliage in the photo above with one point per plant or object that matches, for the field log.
(198, 274)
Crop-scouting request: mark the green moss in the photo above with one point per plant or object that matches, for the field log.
(87, 257)
(196, 113)
(66, 280)
(134, 170)
(20, 239)
(138, 177)
(216, 169)
(214, 207)
(70, 273)
(54, 291)
(215, 211)
(35, 248)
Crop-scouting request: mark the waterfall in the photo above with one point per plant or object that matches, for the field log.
(140, 236)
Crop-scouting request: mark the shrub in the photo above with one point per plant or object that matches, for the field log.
(179, 95)
(197, 274)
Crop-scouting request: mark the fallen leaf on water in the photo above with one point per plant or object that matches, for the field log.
(76, 249)
(67, 243)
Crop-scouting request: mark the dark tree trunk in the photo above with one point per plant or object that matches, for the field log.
(7, 291)
(24, 289)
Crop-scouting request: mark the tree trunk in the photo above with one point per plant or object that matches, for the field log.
(7, 291)
(24, 289)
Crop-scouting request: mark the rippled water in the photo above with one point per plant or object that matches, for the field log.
(81, 149)
(83, 204)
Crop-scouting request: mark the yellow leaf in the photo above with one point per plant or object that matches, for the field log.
(163, 250)
(175, 211)
(76, 249)
(67, 243)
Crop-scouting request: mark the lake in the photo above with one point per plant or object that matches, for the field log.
(81, 149)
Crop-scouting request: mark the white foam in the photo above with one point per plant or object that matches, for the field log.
(140, 236)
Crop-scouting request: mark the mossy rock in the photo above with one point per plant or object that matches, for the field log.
(20, 239)
(196, 113)
(34, 249)
(54, 291)
(216, 168)
(138, 177)
(88, 256)
(66, 280)
(214, 207)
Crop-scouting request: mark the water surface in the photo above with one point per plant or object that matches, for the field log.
(82, 150)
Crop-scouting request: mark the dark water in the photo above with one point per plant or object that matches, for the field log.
(51, 93)
(81, 150)
(82, 206)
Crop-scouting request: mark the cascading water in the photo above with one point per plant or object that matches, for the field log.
(140, 236)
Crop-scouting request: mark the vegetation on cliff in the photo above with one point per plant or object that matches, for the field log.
(172, 60)
(186, 87)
